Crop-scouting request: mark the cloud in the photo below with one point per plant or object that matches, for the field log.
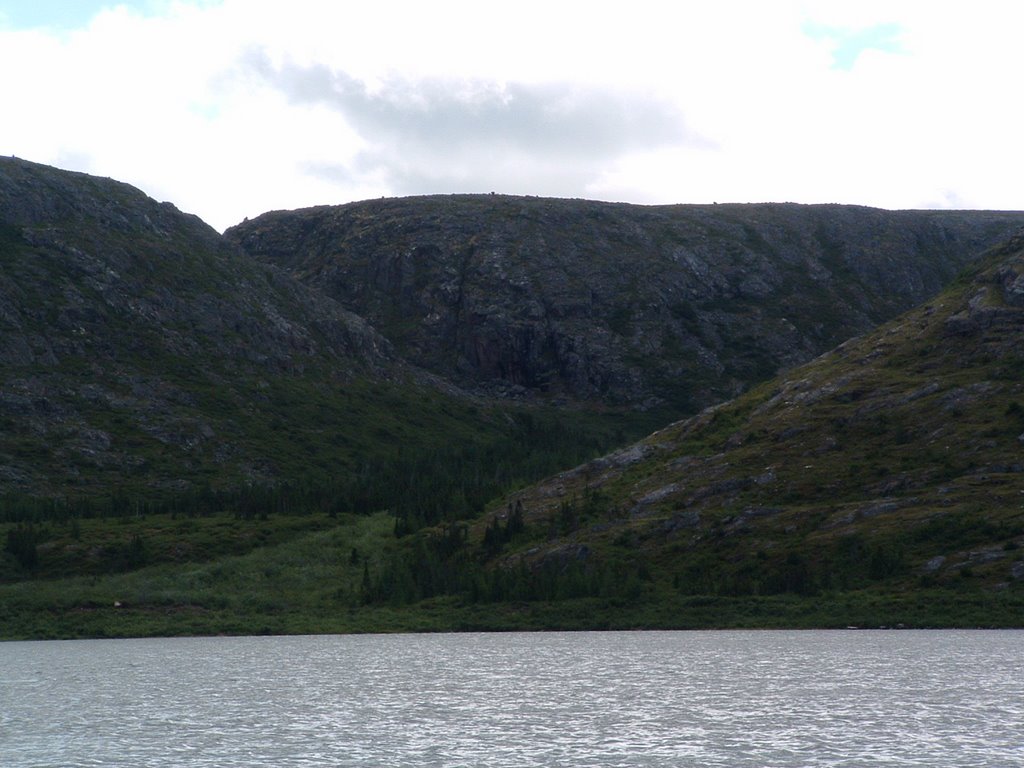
(427, 134)
(232, 108)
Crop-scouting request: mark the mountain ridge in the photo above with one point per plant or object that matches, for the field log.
(529, 297)
(138, 343)
(341, 419)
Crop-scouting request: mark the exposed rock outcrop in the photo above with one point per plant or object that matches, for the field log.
(624, 304)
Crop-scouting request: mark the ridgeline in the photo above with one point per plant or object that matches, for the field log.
(340, 419)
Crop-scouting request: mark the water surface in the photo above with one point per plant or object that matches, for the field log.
(533, 699)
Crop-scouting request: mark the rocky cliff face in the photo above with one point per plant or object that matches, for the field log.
(629, 305)
(129, 330)
(87, 257)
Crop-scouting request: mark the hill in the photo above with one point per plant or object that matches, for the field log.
(135, 340)
(147, 362)
(330, 420)
(665, 307)
(883, 483)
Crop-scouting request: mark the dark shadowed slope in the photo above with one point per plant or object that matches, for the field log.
(137, 344)
(142, 354)
(680, 306)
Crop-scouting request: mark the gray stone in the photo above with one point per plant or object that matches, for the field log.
(610, 302)
(682, 521)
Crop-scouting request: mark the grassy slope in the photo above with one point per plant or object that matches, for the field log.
(820, 499)
(879, 485)
(889, 470)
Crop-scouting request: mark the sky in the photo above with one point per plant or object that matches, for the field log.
(229, 108)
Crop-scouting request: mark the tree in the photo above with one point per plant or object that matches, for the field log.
(22, 542)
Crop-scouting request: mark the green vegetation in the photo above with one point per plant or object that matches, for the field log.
(878, 486)
(366, 505)
(194, 442)
(314, 573)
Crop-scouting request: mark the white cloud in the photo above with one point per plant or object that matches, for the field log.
(229, 109)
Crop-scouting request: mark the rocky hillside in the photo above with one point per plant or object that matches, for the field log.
(133, 334)
(87, 257)
(895, 462)
(680, 306)
(293, 428)
(143, 354)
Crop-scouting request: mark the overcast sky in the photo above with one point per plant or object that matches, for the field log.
(229, 108)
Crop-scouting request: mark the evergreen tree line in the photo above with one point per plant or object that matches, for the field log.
(444, 562)
(247, 502)
(404, 580)
(23, 540)
(421, 487)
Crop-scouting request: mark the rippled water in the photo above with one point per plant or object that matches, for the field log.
(560, 699)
